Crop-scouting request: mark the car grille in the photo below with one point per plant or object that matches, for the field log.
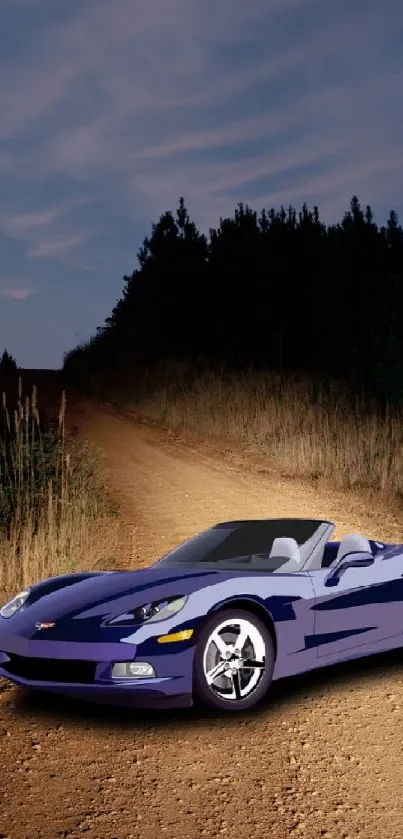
(50, 669)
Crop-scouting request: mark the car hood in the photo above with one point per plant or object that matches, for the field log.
(81, 605)
(105, 595)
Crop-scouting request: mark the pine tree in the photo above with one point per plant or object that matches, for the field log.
(7, 362)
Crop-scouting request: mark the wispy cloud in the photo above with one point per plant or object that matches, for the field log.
(24, 223)
(103, 99)
(47, 232)
(17, 293)
(56, 247)
(62, 249)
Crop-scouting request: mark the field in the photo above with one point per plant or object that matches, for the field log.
(55, 515)
(305, 426)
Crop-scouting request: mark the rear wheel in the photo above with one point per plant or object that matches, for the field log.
(234, 661)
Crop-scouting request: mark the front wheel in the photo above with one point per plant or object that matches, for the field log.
(234, 661)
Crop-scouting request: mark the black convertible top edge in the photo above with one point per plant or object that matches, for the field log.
(240, 522)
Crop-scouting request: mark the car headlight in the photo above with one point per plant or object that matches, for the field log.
(14, 604)
(159, 610)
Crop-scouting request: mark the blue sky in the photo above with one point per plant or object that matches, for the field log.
(112, 110)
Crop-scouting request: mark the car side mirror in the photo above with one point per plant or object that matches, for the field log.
(357, 559)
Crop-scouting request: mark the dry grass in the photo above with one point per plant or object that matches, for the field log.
(311, 430)
(55, 516)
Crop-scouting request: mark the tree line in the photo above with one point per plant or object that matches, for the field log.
(279, 289)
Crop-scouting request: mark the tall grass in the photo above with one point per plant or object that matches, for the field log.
(307, 426)
(54, 513)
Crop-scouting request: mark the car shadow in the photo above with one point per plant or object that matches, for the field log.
(54, 709)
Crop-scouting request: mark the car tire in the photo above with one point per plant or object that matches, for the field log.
(239, 687)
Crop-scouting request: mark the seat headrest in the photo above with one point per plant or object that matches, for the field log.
(352, 544)
(286, 546)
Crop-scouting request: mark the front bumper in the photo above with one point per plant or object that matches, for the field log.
(83, 671)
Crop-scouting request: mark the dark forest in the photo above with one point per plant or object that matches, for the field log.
(278, 290)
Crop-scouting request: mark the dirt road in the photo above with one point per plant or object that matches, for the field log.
(322, 757)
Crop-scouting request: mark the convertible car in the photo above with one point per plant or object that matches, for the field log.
(216, 620)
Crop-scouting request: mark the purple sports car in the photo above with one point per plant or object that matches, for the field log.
(216, 619)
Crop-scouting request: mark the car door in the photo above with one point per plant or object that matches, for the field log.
(358, 603)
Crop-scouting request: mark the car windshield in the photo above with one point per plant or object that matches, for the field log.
(243, 545)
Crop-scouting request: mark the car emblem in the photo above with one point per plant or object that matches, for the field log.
(40, 625)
